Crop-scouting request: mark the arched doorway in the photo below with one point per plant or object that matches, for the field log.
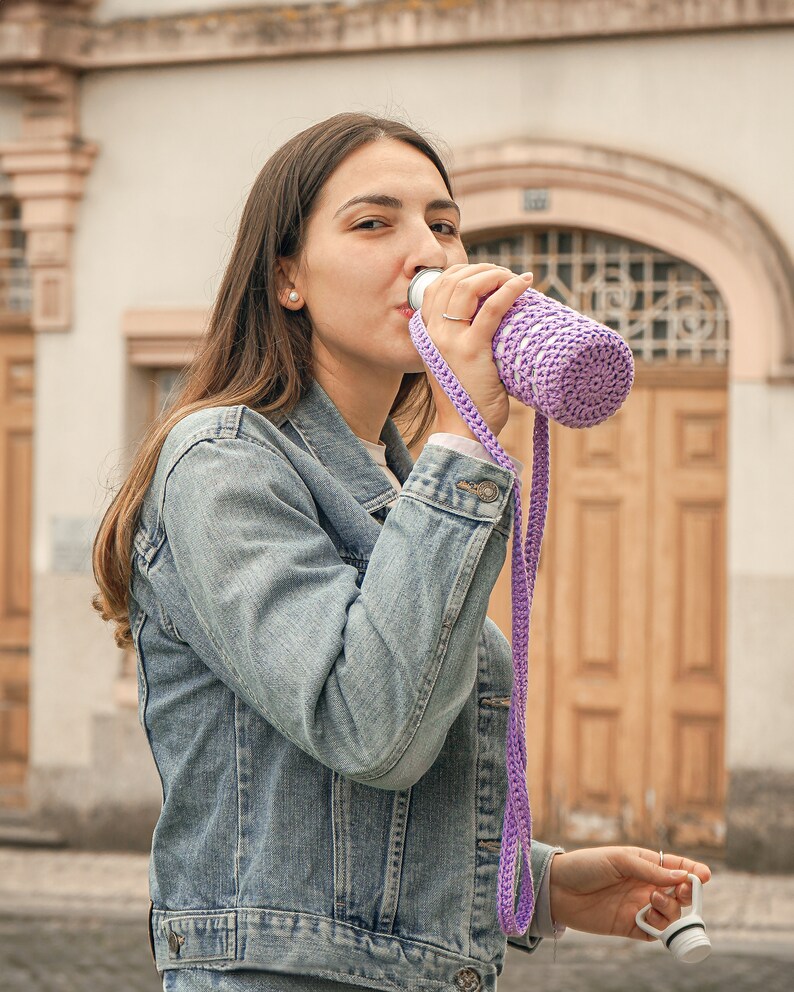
(521, 184)
(626, 728)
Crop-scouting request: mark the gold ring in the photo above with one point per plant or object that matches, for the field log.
(446, 316)
(661, 859)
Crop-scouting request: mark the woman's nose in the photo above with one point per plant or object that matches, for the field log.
(425, 253)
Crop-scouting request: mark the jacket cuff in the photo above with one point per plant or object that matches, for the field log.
(541, 925)
(469, 447)
(460, 484)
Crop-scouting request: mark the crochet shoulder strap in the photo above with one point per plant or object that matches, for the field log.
(514, 915)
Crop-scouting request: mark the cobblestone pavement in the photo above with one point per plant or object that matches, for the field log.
(75, 955)
(76, 922)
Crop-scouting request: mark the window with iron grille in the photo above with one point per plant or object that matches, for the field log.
(666, 308)
(15, 292)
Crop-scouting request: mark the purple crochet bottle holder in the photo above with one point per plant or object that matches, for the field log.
(577, 372)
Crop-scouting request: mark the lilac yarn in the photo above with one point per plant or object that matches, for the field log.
(578, 372)
(569, 367)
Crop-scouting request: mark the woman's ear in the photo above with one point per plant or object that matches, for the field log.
(288, 295)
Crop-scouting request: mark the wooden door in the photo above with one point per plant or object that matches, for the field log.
(16, 450)
(598, 624)
(686, 662)
(625, 722)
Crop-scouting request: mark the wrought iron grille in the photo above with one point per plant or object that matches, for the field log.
(666, 308)
(15, 291)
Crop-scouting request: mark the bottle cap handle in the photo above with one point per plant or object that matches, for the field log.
(686, 937)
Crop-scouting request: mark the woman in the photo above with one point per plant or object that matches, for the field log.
(320, 687)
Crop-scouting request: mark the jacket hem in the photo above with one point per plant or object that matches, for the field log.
(303, 943)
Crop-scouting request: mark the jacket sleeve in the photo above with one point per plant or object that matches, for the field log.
(540, 856)
(367, 679)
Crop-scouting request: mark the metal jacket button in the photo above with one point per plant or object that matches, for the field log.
(174, 942)
(488, 492)
(468, 980)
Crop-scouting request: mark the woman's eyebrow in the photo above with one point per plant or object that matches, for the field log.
(382, 200)
(443, 204)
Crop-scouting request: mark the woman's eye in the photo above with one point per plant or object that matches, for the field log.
(369, 225)
(449, 228)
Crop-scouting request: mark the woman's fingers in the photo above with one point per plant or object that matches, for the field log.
(440, 292)
(668, 899)
(664, 911)
(675, 861)
(501, 287)
(498, 303)
(474, 337)
(673, 874)
(461, 287)
(465, 343)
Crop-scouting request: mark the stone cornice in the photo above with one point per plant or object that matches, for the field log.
(163, 337)
(61, 35)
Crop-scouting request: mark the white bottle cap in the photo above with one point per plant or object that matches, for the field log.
(690, 943)
(419, 284)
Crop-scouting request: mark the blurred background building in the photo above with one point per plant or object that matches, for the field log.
(637, 156)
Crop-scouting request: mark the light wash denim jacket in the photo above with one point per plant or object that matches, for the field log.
(325, 701)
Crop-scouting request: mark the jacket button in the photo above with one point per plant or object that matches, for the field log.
(488, 492)
(467, 979)
(174, 942)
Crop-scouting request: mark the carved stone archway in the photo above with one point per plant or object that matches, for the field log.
(522, 183)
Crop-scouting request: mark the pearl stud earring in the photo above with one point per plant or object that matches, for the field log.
(294, 296)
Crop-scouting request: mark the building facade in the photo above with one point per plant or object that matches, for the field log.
(637, 157)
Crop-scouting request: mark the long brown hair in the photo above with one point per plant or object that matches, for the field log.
(254, 351)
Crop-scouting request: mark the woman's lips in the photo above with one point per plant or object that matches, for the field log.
(406, 311)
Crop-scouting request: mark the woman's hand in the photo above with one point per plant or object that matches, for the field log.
(466, 347)
(600, 890)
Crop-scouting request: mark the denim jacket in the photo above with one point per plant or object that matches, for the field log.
(325, 700)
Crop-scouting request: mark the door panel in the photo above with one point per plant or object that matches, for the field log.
(686, 663)
(599, 632)
(16, 450)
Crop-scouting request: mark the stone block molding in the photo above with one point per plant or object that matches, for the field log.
(628, 195)
(46, 168)
(163, 337)
(63, 34)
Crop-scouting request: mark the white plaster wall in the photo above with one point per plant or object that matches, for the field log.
(179, 148)
(760, 673)
(73, 672)
(760, 662)
(761, 484)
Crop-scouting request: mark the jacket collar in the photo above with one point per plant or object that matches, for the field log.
(329, 438)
